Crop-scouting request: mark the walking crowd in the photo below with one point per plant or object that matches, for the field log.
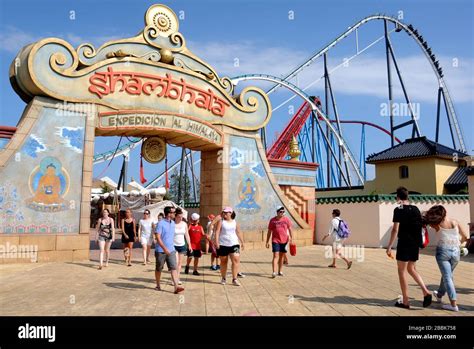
(177, 242)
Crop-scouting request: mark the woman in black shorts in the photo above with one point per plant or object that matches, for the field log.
(229, 242)
(128, 236)
(407, 224)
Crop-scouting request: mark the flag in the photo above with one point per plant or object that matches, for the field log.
(142, 172)
(167, 182)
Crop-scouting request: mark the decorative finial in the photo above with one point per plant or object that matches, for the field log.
(294, 151)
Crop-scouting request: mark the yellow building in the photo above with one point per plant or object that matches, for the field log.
(422, 166)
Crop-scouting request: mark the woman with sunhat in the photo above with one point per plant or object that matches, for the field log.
(229, 241)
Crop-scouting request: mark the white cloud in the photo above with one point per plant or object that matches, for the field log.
(12, 39)
(365, 75)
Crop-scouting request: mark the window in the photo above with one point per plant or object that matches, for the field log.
(403, 171)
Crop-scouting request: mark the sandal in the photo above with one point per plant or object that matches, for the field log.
(349, 265)
(157, 288)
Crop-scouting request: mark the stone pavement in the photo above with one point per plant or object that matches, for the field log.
(310, 288)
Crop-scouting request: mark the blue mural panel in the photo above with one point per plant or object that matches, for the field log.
(250, 191)
(40, 190)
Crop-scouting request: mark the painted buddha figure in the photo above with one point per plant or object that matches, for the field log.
(48, 192)
(49, 187)
(247, 196)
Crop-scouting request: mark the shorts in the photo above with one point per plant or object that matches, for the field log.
(180, 249)
(161, 258)
(146, 240)
(277, 247)
(195, 254)
(226, 250)
(407, 253)
(103, 238)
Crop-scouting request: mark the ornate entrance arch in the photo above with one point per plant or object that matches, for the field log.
(147, 85)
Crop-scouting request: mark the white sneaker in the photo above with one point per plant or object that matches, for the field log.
(223, 281)
(450, 307)
(437, 297)
(274, 275)
(235, 282)
(280, 273)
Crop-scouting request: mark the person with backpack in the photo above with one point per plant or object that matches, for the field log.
(407, 226)
(339, 231)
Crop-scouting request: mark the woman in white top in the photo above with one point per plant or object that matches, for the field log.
(145, 235)
(227, 238)
(449, 236)
(181, 238)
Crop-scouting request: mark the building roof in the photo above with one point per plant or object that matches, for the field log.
(391, 198)
(414, 148)
(459, 177)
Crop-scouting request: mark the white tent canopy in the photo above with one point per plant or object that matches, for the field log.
(133, 185)
(109, 182)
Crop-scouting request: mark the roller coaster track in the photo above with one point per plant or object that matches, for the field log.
(321, 116)
(411, 31)
(279, 82)
(123, 150)
(161, 176)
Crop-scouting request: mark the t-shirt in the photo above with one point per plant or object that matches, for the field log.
(196, 232)
(279, 229)
(165, 229)
(179, 233)
(333, 228)
(409, 231)
(145, 225)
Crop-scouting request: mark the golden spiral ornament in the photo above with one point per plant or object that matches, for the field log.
(163, 19)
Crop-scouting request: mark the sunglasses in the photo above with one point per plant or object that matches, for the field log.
(147, 213)
(281, 212)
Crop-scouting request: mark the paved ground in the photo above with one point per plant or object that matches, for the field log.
(308, 288)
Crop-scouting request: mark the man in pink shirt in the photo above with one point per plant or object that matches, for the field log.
(279, 228)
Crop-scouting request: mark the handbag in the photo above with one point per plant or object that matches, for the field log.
(425, 237)
(293, 249)
(212, 247)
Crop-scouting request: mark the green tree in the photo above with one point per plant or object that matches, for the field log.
(172, 193)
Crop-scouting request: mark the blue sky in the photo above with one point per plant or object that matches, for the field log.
(262, 37)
